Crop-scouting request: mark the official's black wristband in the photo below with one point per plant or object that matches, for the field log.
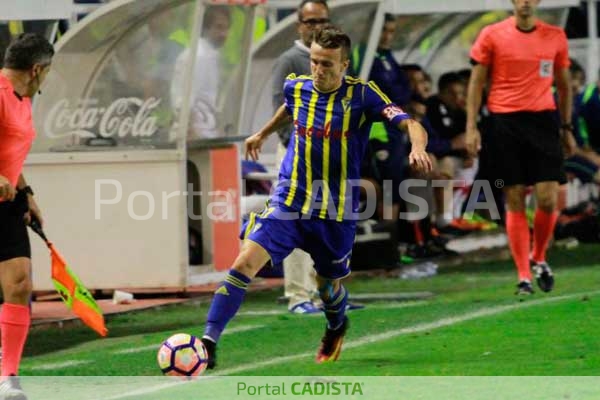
(27, 190)
(567, 127)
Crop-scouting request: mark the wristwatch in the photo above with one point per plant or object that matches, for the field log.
(567, 127)
(27, 190)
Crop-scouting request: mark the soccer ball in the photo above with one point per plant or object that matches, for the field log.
(182, 355)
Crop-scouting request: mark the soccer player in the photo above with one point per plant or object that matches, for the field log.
(314, 203)
(26, 64)
(522, 56)
(299, 278)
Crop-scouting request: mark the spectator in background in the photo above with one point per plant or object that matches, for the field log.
(388, 148)
(585, 164)
(418, 80)
(446, 113)
(206, 77)
(300, 284)
(588, 121)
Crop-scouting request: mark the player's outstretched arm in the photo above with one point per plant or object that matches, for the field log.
(418, 157)
(253, 144)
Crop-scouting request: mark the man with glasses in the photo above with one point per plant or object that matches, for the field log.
(299, 276)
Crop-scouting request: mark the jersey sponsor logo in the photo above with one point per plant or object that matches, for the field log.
(127, 116)
(315, 132)
(392, 111)
(546, 68)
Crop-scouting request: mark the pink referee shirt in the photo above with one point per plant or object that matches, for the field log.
(16, 131)
(521, 64)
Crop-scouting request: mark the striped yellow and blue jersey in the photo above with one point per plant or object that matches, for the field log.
(320, 172)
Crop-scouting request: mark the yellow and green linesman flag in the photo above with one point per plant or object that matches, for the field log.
(74, 294)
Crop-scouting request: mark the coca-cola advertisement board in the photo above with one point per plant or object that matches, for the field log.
(125, 88)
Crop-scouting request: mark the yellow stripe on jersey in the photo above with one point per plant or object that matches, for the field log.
(376, 89)
(250, 225)
(293, 76)
(326, 139)
(344, 157)
(353, 80)
(310, 120)
(294, 180)
(266, 212)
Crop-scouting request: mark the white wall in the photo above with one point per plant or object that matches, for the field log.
(35, 9)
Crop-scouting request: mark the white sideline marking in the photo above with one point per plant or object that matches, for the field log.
(261, 312)
(59, 365)
(237, 329)
(401, 304)
(484, 312)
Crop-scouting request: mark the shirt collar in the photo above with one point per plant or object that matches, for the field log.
(301, 46)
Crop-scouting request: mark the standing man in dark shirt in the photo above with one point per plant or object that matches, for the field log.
(388, 148)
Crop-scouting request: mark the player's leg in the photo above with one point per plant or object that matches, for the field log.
(509, 153)
(330, 245)
(543, 228)
(517, 230)
(267, 237)
(15, 316)
(230, 294)
(334, 297)
(15, 278)
(547, 172)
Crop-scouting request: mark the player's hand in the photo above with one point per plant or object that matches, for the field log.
(473, 141)
(34, 211)
(252, 146)
(568, 143)
(419, 160)
(7, 191)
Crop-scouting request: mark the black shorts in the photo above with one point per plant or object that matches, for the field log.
(523, 148)
(14, 240)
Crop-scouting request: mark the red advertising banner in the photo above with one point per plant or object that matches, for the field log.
(224, 206)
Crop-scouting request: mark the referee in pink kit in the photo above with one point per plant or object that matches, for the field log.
(26, 64)
(521, 57)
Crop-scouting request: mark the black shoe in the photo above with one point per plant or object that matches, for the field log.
(10, 389)
(543, 276)
(331, 343)
(211, 350)
(524, 288)
(436, 249)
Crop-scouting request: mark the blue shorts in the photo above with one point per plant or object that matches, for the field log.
(328, 242)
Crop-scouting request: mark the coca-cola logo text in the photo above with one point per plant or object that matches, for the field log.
(127, 116)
